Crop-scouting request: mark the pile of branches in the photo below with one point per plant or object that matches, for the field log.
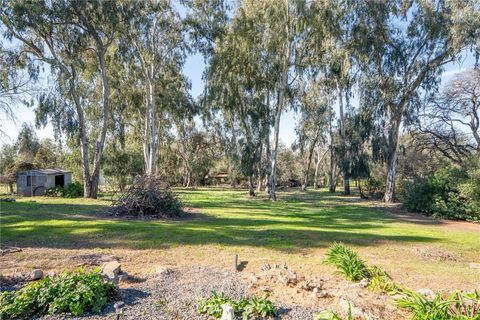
(148, 197)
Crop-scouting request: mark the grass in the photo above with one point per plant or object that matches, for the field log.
(298, 227)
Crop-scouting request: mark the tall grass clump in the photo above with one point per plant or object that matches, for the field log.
(458, 306)
(347, 262)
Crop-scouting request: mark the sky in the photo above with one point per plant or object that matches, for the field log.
(193, 69)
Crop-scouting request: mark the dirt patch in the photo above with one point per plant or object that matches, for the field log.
(92, 259)
(326, 292)
(435, 254)
(417, 218)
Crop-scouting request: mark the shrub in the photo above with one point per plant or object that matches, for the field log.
(148, 196)
(452, 193)
(76, 292)
(458, 306)
(347, 262)
(73, 190)
(247, 308)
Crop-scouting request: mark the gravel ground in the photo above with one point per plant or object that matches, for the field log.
(174, 294)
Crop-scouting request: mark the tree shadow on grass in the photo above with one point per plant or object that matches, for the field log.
(287, 226)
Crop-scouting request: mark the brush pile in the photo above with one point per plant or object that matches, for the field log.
(148, 197)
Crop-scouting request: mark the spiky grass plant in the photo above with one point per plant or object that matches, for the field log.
(458, 306)
(347, 262)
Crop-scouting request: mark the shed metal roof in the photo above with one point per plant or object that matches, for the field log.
(44, 171)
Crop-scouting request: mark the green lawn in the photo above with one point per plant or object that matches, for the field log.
(297, 223)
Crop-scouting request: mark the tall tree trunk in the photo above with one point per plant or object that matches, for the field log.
(101, 141)
(393, 127)
(331, 172)
(346, 180)
(317, 166)
(307, 171)
(273, 168)
(251, 188)
(346, 184)
(152, 143)
(259, 168)
(83, 137)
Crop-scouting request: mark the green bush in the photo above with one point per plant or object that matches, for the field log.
(451, 193)
(247, 308)
(73, 190)
(76, 292)
(347, 262)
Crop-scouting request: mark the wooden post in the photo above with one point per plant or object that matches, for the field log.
(235, 262)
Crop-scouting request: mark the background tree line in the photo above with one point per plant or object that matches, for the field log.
(364, 78)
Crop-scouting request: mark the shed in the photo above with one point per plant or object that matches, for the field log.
(36, 182)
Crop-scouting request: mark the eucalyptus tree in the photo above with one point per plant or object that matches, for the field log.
(156, 36)
(403, 46)
(27, 143)
(74, 38)
(311, 129)
(451, 120)
(17, 73)
(278, 27)
(238, 89)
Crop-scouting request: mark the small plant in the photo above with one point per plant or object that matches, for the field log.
(458, 306)
(247, 308)
(213, 305)
(347, 262)
(257, 307)
(76, 292)
(330, 315)
(381, 281)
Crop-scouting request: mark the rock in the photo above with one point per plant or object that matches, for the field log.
(227, 313)
(427, 293)
(36, 274)
(321, 294)
(163, 271)
(111, 270)
(253, 277)
(364, 283)
(266, 267)
(119, 307)
(346, 305)
(52, 274)
(474, 265)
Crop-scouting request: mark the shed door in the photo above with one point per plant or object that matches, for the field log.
(60, 181)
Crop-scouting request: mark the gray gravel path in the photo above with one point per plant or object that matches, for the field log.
(174, 295)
